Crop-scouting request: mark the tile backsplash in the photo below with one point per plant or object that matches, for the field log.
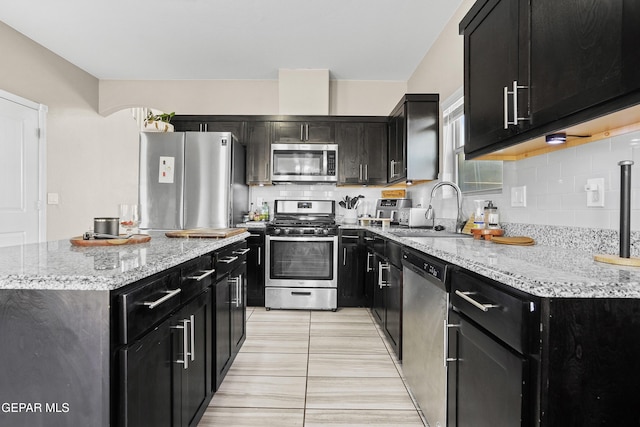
(555, 186)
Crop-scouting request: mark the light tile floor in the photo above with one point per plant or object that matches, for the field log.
(313, 368)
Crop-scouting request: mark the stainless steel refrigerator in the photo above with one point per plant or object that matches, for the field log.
(191, 180)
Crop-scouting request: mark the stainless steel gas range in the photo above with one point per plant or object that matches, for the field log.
(302, 256)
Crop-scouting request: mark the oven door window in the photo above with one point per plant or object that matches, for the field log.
(301, 259)
(298, 163)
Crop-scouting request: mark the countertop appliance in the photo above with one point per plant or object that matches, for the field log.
(191, 180)
(414, 217)
(424, 321)
(390, 208)
(301, 256)
(307, 163)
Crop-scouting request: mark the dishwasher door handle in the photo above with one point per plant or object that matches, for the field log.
(465, 296)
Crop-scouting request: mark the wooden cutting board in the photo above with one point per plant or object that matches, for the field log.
(207, 233)
(136, 238)
(515, 240)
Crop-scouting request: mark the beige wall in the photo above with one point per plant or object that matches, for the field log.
(251, 97)
(441, 70)
(91, 160)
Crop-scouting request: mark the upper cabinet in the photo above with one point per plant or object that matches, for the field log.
(536, 66)
(311, 132)
(413, 146)
(258, 143)
(208, 124)
(362, 153)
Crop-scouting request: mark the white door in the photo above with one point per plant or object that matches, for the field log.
(22, 215)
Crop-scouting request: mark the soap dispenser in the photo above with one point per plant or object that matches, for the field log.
(491, 217)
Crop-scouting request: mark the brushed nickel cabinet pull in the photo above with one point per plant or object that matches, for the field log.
(168, 296)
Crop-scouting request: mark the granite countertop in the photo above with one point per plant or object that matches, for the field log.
(544, 271)
(59, 265)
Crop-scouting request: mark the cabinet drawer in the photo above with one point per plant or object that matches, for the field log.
(230, 257)
(509, 317)
(302, 298)
(145, 305)
(196, 276)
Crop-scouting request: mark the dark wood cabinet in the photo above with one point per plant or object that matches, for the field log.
(352, 289)
(255, 268)
(392, 281)
(192, 328)
(258, 142)
(583, 53)
(223, 328)
(146, 394)
(194, 123)
(534, 67)
(383, 271)
(362, 153)
(238, 304)
(311, 131)
(230, 307)
(413, 147)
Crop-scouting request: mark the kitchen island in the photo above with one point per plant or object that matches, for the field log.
(62, 322)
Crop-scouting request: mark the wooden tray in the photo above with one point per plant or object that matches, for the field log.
(206, 233)
(515, 240)
(486, 233)
(135, 239)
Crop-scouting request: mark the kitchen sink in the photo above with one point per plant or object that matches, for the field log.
(428, 233)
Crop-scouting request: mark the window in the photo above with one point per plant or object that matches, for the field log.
(472, 176)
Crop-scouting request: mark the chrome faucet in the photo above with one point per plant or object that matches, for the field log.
(460, 222)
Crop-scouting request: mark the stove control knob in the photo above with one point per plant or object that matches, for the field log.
(286, 231)
(325, 231)
(276, 231)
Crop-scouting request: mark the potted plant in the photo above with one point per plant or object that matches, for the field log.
(158, 122)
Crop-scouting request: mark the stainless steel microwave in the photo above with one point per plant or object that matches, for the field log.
(307, 163)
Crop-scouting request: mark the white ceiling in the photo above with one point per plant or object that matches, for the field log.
(234, 39)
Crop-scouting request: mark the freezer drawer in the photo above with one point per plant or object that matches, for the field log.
(301, 298)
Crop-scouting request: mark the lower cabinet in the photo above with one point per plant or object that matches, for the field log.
(163, 375)
(255, 269)
(383, 272)
(192, 336)
(145, 380)
(352, 287)
(168, 373)
(230, 308)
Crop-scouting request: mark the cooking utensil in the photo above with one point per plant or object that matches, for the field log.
(106, 226)
(342, 204)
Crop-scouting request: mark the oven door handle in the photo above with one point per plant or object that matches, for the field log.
(303, 238)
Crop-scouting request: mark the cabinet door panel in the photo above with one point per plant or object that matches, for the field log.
(294, 132)
(195, 386)
(491, 381)
(374, 153)
(146, 392)
(223, 327)
(578, 55)
(349, 137)
(491, 63)
(393, 306)
(258, 143)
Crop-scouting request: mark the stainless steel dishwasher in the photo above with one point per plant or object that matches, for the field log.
(424, 317)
